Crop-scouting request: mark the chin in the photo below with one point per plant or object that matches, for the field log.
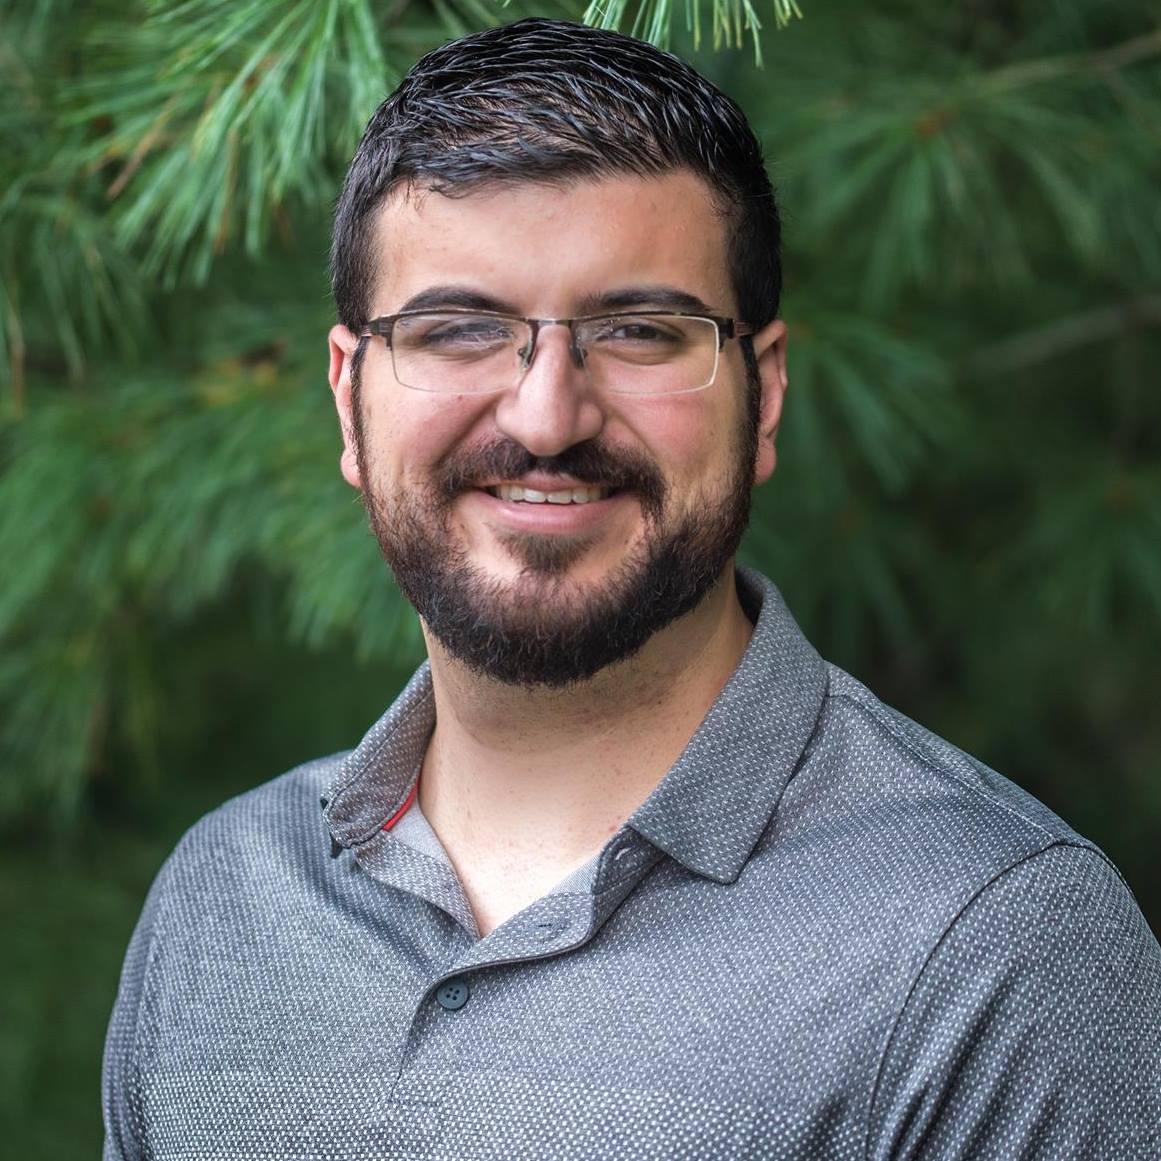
(535, 559)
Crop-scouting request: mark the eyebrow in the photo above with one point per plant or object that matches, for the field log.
(639, 297)
(623, 298)
(456, 297)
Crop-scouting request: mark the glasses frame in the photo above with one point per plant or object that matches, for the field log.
(726, 328)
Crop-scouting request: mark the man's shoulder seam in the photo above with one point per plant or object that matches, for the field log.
(316, 771)
(874, 713)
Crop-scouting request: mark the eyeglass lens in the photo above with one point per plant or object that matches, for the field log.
(655, 354)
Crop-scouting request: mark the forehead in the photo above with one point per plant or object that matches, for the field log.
(542, 247)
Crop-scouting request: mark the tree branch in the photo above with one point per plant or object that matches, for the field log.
(1064, 335)
(1105, 60)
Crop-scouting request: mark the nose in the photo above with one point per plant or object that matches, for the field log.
(554, 406)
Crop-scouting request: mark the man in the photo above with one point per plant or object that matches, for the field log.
(627, 871)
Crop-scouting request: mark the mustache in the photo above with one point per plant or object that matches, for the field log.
(593, 462)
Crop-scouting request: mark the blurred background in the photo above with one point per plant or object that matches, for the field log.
(966, 515)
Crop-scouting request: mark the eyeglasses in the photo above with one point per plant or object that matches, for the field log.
(472, 352)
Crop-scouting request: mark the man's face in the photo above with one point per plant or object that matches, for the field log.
(547, 593)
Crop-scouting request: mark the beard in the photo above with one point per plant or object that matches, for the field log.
(541, 628)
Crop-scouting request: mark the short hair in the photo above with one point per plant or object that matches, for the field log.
(550, 101)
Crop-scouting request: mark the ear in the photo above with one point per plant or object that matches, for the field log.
(342, 350)
(770, 351)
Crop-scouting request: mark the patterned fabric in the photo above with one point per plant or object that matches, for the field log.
(827, 934)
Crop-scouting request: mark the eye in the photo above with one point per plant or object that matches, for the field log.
(652, 332)
(456, 334)
(468, 332)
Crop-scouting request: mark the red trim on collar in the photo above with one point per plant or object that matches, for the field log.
(404, 808)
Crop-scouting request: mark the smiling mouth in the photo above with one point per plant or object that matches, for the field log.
(514, 493)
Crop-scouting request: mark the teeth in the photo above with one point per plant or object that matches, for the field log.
(514, 492)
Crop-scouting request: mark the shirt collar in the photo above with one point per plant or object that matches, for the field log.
(376, 777)
(710, 809)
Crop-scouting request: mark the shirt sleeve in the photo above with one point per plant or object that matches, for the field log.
(1034, 1029)
(120, 1078)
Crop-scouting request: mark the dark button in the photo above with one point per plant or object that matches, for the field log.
(453, 995)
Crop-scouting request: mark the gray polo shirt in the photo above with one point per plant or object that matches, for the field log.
(826, 934)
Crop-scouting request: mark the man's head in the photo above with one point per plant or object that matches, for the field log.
(551, 171)
(546, 101)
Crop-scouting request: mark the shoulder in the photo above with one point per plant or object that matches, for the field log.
(257, 866)
(261, 839)
(281, 804)
(252, 863)
(1047, 984)
(903, 760)
(1018, 957)
(902, 837)
(913, 813)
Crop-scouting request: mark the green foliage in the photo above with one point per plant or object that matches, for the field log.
(968, 505)
(966, 513)
(731, 21)
(142, 501)
(216, 112)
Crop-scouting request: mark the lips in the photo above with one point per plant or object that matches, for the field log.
(592, 471)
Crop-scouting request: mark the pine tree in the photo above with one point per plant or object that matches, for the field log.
(967, 511)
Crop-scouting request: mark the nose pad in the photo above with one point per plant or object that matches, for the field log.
(574, 349)
(527, 352)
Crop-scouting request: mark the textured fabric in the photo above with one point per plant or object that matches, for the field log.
(826, 934)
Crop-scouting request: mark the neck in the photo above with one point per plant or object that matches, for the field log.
(537, 779)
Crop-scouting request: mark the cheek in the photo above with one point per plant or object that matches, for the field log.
(692, 438)
(409, 432)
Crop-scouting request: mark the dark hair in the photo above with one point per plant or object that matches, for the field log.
(546, 100)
